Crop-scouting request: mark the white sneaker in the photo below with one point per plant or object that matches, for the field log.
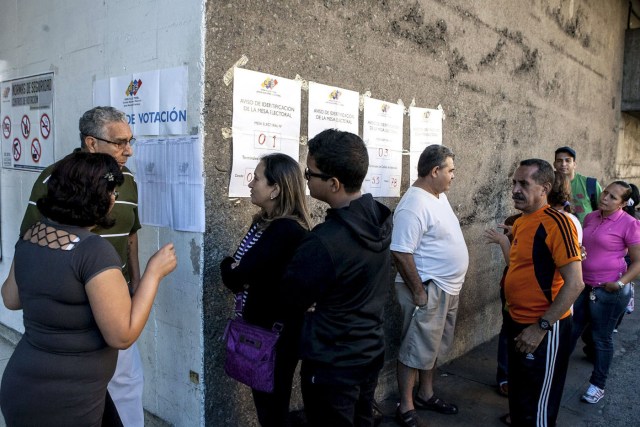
(593, 394)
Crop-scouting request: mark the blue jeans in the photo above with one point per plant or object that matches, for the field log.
(602, 314)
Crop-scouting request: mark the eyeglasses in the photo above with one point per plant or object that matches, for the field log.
(120, 144)
(115, 194)
(323, 176)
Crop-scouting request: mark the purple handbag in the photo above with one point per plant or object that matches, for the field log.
(251, 353)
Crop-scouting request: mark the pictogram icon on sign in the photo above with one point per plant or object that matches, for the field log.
(26, 126)
(36, 150)
(17, 149)
(6, 127)
(45, 126)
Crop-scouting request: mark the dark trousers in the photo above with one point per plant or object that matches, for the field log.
(536, 380)
(110, 418)
(273, 408)
(339, 405)
(503, 363)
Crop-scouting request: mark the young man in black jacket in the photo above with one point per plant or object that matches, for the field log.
(342, 269)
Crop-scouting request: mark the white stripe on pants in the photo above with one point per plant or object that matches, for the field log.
(126, 387)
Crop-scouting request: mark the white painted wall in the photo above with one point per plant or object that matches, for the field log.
(87, 40)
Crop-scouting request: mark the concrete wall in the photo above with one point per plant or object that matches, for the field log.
(84, 41)
(631, 72)
(516, 79)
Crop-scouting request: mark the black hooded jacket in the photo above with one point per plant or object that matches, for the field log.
(344, 267)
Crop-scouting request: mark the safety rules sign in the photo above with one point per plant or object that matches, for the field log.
(26, 109)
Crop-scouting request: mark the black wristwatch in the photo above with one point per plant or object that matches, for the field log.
(544, 324)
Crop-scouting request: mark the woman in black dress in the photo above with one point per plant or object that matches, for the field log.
(254, 272)
(76, 306)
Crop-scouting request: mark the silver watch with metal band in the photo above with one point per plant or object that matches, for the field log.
(620, 284)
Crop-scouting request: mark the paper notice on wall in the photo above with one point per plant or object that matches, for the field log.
(266, 119)
(332, 108)
(155, 102)
(425, 129)
(170, 185)
(382, 133)
(26, 111)
(187, 183)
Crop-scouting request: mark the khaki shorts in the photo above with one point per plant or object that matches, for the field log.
(428, 334)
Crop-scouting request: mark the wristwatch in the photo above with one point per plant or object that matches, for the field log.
(620, 284)
(544, 324)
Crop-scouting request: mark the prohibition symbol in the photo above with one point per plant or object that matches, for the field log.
(17, 149)
(6, 127)
(26, 126)
(36, 150)
(45, 126)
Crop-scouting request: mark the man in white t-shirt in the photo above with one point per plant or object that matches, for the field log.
(432, 259)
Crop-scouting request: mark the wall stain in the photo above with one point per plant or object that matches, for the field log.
(411, 26)
(573, 27)
(495, 54)
(456, 64)
(195, 257)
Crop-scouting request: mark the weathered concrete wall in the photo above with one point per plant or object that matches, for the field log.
(516, 79)
(631, 72)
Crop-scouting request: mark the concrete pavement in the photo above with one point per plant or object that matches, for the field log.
(469, 381)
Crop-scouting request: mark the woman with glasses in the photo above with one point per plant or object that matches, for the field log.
(76, 306)
(609, 233)
(254, 272)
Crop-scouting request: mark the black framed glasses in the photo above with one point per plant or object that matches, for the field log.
(120, 144)
(308, 174)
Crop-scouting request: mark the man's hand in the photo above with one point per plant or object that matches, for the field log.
(530, 338)
(420, 297)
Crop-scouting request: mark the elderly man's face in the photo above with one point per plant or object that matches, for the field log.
(118, 132)
(528, 196)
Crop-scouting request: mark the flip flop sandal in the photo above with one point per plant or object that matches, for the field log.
(435, 404)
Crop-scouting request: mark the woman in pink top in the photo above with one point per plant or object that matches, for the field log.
(609, 233)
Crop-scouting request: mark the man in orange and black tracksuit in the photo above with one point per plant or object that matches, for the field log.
(543, 281)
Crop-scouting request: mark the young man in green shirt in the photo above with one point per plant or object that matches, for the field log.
(585, 190)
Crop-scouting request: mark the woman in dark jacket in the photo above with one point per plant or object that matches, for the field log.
(254, 272)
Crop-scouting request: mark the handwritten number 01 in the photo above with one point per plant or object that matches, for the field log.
(262, 138)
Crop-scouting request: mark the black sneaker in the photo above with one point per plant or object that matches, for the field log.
(409, 419)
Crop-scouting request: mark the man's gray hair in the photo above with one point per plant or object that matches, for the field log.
(432, 156)
(93, 121)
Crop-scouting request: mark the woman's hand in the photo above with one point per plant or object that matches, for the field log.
(611, 286)
(163, 262)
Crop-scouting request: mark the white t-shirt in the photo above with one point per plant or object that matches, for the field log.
(424, 225)
(576, 222)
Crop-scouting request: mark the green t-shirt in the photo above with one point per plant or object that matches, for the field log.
(125, 213)
(581, 202)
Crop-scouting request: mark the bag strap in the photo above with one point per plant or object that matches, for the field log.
(591, 191)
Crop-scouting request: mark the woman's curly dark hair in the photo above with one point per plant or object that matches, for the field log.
(79, 190)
